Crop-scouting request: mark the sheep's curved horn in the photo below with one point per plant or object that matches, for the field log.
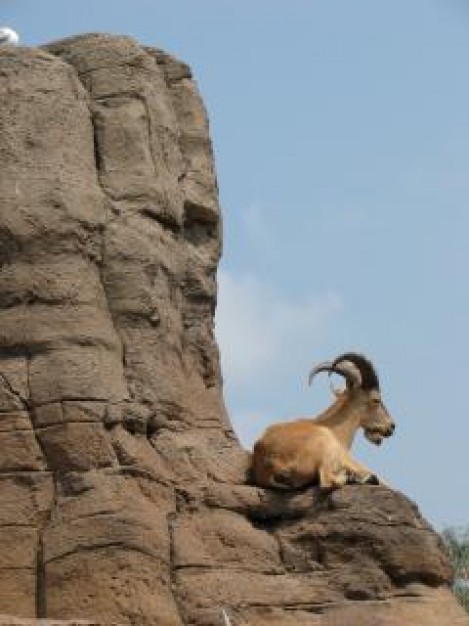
(365, 366)
(348, 370)
(325, 366)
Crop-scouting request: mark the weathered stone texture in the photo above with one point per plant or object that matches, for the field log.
(123, 495)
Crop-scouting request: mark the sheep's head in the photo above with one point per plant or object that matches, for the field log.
(375, 419)
(363, 392)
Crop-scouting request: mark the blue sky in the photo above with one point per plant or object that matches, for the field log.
(341, 133)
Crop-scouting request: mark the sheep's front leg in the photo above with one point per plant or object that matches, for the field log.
(332, 480)
(332, 474)
(360, 473)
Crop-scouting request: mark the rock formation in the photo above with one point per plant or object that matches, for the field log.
(123, 492)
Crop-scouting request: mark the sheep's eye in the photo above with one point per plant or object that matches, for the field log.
(376, 401)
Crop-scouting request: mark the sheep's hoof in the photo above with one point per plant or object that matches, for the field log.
(371, 479)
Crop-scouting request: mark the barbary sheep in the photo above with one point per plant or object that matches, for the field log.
(291, 455)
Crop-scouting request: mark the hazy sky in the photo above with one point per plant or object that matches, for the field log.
(341, 132)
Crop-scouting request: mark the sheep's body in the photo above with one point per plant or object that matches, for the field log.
(293, 454)
(290, 456)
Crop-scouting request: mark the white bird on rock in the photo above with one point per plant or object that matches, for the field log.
(8, 37)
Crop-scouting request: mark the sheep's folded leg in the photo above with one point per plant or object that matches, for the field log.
(358, 473)
(371, 479)
(332, 478)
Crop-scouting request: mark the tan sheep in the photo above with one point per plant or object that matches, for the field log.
(294, 454)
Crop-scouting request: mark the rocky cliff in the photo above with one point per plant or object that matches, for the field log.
(123, 494)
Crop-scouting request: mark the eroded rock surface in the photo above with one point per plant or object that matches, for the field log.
(123, 495)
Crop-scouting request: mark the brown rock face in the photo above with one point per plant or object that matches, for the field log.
(123, 495)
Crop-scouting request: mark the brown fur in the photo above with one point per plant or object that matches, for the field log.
(293, 454)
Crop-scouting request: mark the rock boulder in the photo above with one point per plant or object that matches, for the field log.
(123, 490)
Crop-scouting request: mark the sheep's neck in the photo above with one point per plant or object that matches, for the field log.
(342, 419)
